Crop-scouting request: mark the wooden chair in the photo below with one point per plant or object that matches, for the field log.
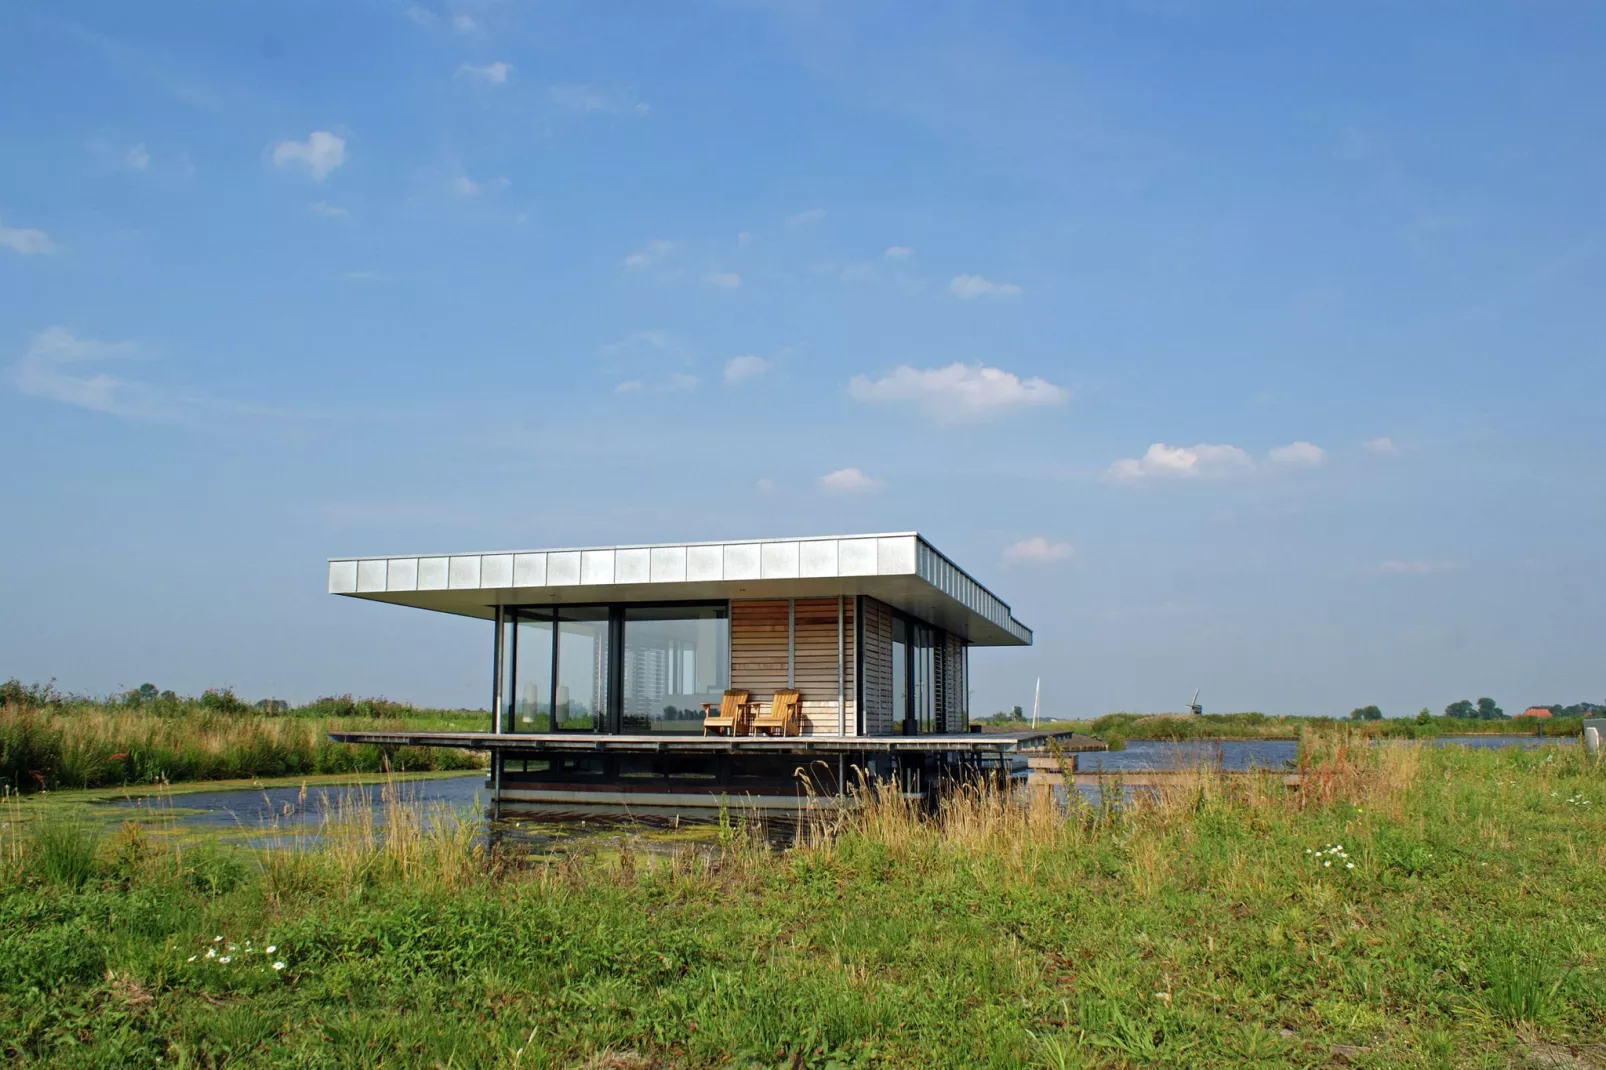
(783, 716)
(735, 714)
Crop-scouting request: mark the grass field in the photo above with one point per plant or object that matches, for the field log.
(83, 745)
(1411, 906)
(1124, 726)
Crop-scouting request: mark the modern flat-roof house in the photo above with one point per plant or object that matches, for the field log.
(606, 661)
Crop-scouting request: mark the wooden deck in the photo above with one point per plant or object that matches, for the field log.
(991, 743)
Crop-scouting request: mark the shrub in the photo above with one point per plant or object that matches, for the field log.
(65, 852)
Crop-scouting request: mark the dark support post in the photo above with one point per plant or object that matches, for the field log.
(496, 673)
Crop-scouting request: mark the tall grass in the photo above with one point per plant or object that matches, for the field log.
(1187, 926)
(70, 746)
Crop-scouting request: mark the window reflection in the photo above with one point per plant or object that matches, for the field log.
(675, 659)
(532, 672)
(581, 700)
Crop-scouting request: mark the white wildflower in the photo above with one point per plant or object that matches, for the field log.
(278, 966)
(224, 961)
(217, 939)
(272, 948)
(1349, 865)
(211, 952)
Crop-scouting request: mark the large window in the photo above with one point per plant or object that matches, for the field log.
(914, 669)
(581, 698)
(614, 668)
(532, 672)
(675, 659)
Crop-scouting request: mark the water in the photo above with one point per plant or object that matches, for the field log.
(1242, 754)
(286, 809)
(280, 818)
(1164, 754)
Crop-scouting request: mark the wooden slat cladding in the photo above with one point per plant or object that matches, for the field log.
(759, 656)
(877, 668)
(952, 682)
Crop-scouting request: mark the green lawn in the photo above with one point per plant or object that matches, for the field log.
(1415, 906)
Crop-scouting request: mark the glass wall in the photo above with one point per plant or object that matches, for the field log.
(580, 700)
(900, 675)
(925, 690)
(675, 659)
(531, 696)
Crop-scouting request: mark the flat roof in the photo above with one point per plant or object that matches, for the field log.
(901, 569)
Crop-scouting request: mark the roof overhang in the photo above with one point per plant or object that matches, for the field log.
(903, 570)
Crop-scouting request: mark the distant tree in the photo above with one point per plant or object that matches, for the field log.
(1462, 709)
(1018, 714)
(1423, 716)
(1488, 711)
(222, 700)
(1366, 713)
(1578, 709)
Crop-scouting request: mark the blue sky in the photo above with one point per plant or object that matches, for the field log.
(1247, 347)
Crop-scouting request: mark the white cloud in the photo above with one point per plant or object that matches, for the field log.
(895, 252)
(1382, 445)
(592, 100)
(650, 255)
(50, 368)
(744, 239)
(728, 279)
(849, 481)
(1037, 550)
(26, 241)
(1296, 455)
(966, 287)
(1183, 462)
(805, 219)
(1205, 461)
(137, 157)
(683, 381)
(746, 366)
(328, 211)
(1416, 568)
(766, 485)
(495, 73)
(628, 386)
(959, 392)
(640, 342)
(420, 15)
(464, 23)
(321, 153)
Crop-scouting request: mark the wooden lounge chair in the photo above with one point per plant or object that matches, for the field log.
(734, 715)
(783, 716)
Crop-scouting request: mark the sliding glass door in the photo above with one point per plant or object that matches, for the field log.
(675, 659)
(615, 668)
(914, 673)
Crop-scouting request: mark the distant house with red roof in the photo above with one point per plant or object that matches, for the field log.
(1535, 711)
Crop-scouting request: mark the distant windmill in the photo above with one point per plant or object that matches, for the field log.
(1194, 707)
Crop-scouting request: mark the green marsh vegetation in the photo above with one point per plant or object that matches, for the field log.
(50, 741)
(1211, 726)
(1409, 906)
